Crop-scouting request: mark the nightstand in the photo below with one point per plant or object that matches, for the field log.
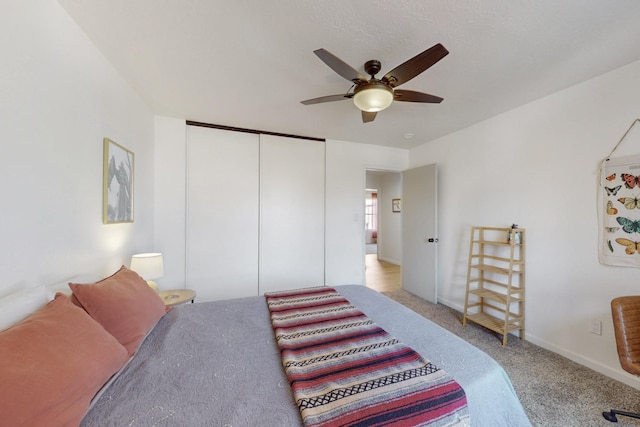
(177, 296)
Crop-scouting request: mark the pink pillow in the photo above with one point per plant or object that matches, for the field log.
(53, 363)
(123, 304)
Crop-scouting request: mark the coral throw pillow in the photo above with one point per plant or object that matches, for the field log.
(53, 363)
(123, 304)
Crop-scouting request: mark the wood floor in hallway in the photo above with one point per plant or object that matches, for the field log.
(381, 275)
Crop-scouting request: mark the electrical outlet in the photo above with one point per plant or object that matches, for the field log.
(595, 327)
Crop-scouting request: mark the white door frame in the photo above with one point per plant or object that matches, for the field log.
(381, 214)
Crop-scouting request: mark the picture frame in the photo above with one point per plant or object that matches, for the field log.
(118, 177)
(395, 205)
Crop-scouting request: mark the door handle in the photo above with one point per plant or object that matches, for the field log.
(432, 240)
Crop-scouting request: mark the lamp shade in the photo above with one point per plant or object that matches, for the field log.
(149, 266)
(373, 97)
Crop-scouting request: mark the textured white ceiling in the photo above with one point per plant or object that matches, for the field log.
(250, 63)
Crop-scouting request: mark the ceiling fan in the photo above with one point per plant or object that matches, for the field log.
(374, 95)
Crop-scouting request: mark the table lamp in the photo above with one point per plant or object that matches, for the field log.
(149, 266)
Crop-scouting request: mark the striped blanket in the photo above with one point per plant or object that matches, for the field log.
(344, 370)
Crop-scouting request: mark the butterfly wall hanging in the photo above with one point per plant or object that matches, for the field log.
(619, 207)
(628, 224)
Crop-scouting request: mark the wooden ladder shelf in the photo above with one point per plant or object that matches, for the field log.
(495, 280)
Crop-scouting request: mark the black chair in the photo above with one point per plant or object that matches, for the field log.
(626, 325)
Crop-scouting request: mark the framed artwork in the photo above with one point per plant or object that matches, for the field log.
(117, 192)
(395, 205)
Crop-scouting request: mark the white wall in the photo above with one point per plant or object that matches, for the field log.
(59, 98)
(537, 166)
(170, 199)
(390, 238)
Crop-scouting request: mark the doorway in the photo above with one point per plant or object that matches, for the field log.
(383, 232)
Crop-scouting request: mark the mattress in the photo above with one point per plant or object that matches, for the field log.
(217, 364)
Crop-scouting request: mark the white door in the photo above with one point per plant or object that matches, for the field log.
(419, 232)
(222, 213)
(291, 213)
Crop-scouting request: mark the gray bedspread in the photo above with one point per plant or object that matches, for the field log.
(217, 364)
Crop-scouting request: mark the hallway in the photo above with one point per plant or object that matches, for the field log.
(380, 275)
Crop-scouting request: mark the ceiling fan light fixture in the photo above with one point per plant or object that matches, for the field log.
(373, 97)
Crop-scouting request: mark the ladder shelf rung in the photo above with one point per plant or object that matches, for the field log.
(493, 323)
(494, 296)
(491, 268)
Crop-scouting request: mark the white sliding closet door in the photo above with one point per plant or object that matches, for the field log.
(291, 213)
(222, 213)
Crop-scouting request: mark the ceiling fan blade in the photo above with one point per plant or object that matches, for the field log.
(368, 117)
(339, 66)
(413, 96)
(414, 66)
(329, 98)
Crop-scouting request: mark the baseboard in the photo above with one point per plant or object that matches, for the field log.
(390, 261)
(450, 304)
(621, 376)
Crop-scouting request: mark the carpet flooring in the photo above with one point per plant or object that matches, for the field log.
(554, 390)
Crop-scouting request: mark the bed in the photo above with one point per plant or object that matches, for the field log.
(217, 364)
(240, 380)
